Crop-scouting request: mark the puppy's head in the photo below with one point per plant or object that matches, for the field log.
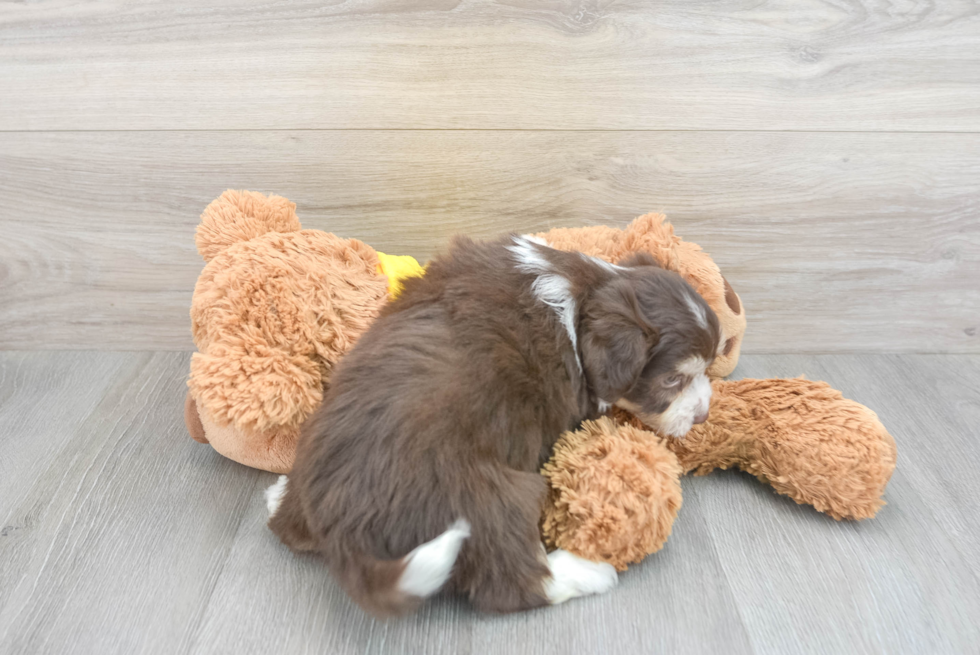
(647, 340)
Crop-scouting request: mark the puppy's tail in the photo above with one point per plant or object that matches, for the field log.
(391, 587)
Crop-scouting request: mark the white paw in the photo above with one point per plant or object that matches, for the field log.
(572, 576)
(273, 495)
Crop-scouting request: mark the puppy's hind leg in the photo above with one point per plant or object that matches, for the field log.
(503, 567)
(286, 517)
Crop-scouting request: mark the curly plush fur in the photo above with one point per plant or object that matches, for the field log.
(802, 437)
(274, 309)
(613, 493)
(613, 484)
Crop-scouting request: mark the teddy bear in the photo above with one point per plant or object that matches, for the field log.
(277, 306)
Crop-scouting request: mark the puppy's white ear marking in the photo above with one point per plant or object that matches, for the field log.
(428, 567)
(274, 494)
(697, 310)
(550, 288)
(572, 576)
(529, 259)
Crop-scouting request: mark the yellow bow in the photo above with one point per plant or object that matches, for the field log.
(397, 268)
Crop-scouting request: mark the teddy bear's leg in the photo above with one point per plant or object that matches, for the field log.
(614, 492)
(286, 517)
(192, 419)
(503, 567)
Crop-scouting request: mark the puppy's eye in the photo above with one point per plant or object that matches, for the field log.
(672, 381)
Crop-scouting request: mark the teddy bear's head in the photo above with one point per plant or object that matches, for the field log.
(652, 233)
(274, 309)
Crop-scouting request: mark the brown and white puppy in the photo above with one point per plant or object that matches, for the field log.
(444, 411)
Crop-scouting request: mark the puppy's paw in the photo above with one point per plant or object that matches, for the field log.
(274, 494)
(572, 576)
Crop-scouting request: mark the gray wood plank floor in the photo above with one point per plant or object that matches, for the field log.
(119, 534)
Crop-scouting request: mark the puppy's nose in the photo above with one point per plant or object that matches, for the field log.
(701, 418)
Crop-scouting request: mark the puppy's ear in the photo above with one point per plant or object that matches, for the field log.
(616, 339)
(639, 258)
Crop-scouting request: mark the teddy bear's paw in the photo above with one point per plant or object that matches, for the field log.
(274, 494)
(572, 576)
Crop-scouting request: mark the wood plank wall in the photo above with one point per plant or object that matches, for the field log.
(826, 154)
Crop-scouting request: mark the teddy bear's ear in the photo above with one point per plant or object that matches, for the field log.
(259, 390)
(241, 215)
(653, 234)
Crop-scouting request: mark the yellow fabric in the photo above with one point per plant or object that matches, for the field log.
(397, 268)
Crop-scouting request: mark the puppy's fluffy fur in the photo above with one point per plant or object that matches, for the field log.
(420, 469)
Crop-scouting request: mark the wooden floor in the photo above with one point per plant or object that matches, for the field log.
(119, 534)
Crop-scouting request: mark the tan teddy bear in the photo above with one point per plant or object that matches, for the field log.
(276, 307)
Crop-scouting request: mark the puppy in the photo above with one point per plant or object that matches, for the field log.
(420, 469)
